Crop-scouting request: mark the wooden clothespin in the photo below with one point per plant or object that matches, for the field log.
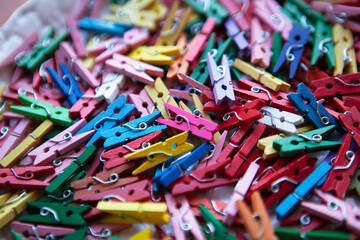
(257, 222)
(294, 234)
(109, 89)
(85, 106)
(160, 152)
(350, 122)
(74, 32)
(134, 212)
(235, 33)
(143, 103)
(102, 26)
(210, 8)
(156, 55)
(238, 11)
(143, 235)
(262, 76)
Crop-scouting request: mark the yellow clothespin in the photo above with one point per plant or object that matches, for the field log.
(159, 8)
(134, 212)
(143, 235)
(262, 76)
(4, 107)
(32, 140)
(173, 26)
(161, 151)
(12, 205)
(155, 55)
(89, 61)
(159, 94)
(343, 50)
(266, 144)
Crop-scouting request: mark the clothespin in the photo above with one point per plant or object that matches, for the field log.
(41, 110)
(345, 60)
(84, 107)
(156, 55)
(221, 80)
(346, 161)
(334, 210)
(350, 122)
(127, 132)
(215, 229)
(142, 102)
(293, 49)
(294, 234)
(132, 38)
(102, 26)
(96, 231)
(311, 141)
(188, 122)
(262, 76)
(13, 204)
(180, 65)
(261, 42)
(267, 11)
(162, 234)
(235, 33)
(103, 181)
(76, 166)
(32, 230)
(134, 212)
(296, 15)
(116, 156)
(160, 152)
(176, 170)
(183, 219)
(281, 120)
(66, 84)
(314, 111)
(257, 222)
(308, 10)
(55, 213)
(280, 182)
(74, 32)
(143, 235)
(32, 140)
(200, 39)
(110, 87)
(210, 8)
(292, 201)
(41, 51)
(238, 12)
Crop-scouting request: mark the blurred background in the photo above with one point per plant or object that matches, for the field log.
(7, 7)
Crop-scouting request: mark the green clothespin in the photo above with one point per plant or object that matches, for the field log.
(308, 11)
(217, 230)
(41, 110)
(76, 166)
(210, 8)
(57, 213)
(114, 238)
(288, 234)
(294, 234)
(312, 141)
(52, 133)
(16, 235)
(77, 235)
(21, 62)
(276, 49)
(323, 44)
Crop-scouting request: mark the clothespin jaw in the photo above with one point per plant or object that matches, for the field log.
(156, 55)
(103, 26)
(221, 80)
(162, 151)
(210, 8)
(306, 142)
(42, 111)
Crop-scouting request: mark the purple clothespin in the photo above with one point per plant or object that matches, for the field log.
(234, 31)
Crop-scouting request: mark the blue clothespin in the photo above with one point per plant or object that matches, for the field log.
(292, 201)
(177, 168)
(115, 113)
(118, 135)
(66, 84)
(102, 26)
(293, 49)
(314, 111)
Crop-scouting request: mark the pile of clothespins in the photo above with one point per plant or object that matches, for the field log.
(137, 115)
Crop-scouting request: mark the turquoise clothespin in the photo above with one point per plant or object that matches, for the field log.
(308, 11)
(210, 8)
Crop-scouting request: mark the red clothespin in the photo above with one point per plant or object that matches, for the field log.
(282, 180)
(351, 122)
(343, 168)
(73, 29)
(200, 39)
(352, 101)
(307, 74)
(32, 231)
(41, 75)
(66, 54)
(240, 115)
(332, 86)
(340, 105)
(251, 90)
(23, 177)
(103, 181)
(261, 41)
(214, 154)
(116, 157)
(133, 192)
(143, 103)
(238, 10)
(180, 65)
(308, 222)
(85, 106)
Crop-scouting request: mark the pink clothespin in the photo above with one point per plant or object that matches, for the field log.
(270, 13)
(66, 54)
(75, 35)
(240, 191)
(32, 231)
(84, 107)
(183, 220)
(200, 39)
(335, 210)
(86, 6)
(195, 88)
(15, 136)
(132, 39)
(261, 42)
(104, 231)
(60, 144)
(138, 70)
(237, 10)
(143, 103)
(221, 80)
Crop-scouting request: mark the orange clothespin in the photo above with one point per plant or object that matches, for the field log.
(257, 223)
